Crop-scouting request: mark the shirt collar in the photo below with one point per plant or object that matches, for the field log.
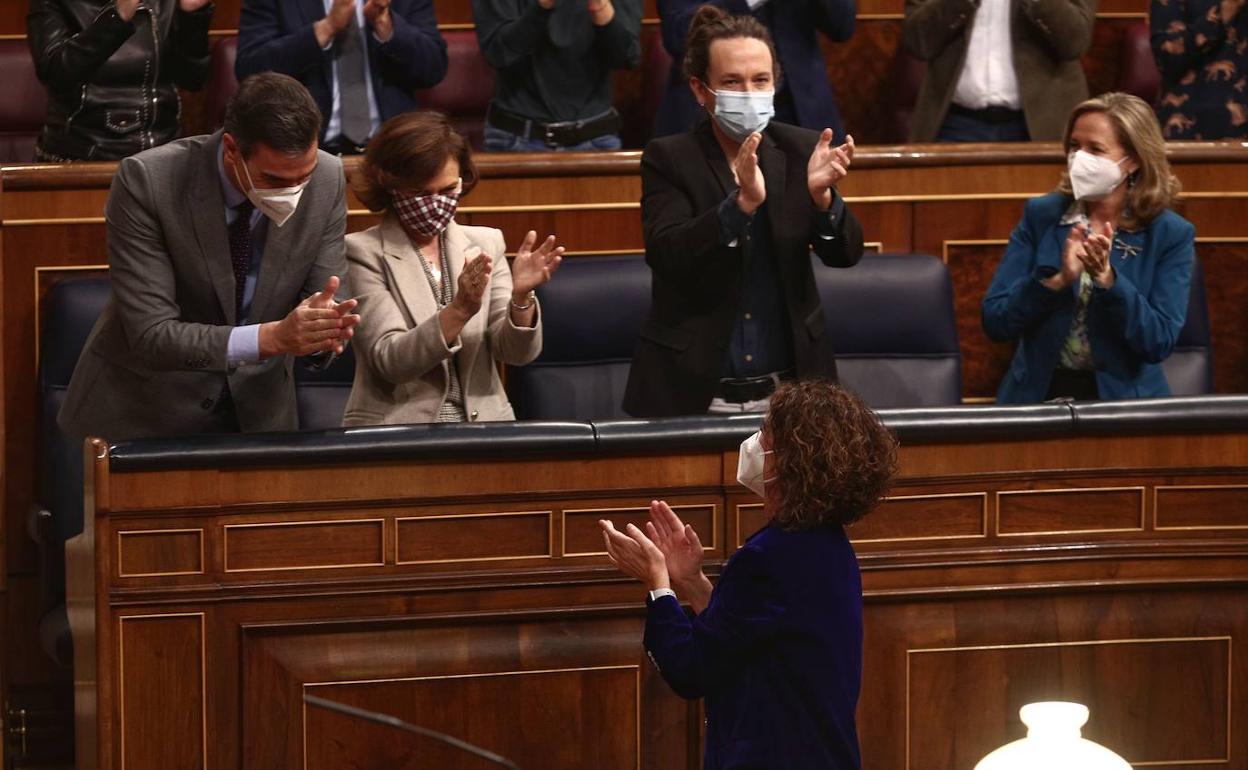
(233, 197)
(1077, 213)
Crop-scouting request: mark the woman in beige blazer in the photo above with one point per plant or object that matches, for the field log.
(439, 306)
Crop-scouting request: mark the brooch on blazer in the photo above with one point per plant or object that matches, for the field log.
(1127, 249)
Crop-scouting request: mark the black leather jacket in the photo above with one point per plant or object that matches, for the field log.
(113, 84)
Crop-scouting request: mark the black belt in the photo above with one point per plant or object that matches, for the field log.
(566, 134)
(343, 146)
(740, 391)
(988, 114)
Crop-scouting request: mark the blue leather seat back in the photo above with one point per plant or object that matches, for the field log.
(592, 314)
(1189, 369)
(321, 394)
(890, 319)
(70, 310)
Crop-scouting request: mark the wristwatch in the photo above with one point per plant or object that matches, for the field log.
(658, 593)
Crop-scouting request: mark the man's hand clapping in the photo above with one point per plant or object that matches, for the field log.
(377, 14)
(827, 166)
(752, 190)
(317, 325)
(335, 21)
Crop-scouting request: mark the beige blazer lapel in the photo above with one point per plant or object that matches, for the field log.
(408, 281)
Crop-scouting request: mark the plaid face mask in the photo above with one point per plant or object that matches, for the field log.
(427, 215)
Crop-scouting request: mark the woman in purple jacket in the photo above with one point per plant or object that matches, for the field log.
(776, 646)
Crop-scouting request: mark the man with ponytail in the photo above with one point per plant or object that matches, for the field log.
(731, 211)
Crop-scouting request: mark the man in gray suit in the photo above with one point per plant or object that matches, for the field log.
(224, 254)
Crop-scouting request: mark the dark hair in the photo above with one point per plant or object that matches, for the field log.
(274, 110)
(406, 152)
(834, 460)
(710, 24)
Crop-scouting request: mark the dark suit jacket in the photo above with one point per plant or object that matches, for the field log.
(777, 653)
(276, 35)
(155, 364)
(804, 73)
(1049, 38)
(696, 286)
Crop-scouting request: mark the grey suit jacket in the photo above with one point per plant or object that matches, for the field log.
(1049, 38)
(402, 370)
(155, 364)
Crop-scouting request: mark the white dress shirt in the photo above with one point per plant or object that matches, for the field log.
(988, 78)
(333, 128)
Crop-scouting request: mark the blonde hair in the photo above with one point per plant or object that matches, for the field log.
(1152, 187)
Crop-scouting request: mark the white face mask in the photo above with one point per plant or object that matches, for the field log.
(278, 204)
(741, 113)
(750, 464)
(1091, 176)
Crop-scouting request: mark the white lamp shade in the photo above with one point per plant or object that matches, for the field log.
(1053, 741)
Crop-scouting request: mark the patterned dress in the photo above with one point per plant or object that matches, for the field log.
(1201, 47)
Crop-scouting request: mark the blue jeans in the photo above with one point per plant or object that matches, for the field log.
(498, 140)
(964, 128)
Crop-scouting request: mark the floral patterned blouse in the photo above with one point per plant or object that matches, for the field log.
(1201, 47)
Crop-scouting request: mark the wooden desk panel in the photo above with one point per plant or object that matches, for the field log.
(998, 572)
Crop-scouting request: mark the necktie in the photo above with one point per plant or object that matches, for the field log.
(240, 253)
(352, 92)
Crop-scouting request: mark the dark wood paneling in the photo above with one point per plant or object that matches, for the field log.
(1051, 511)
(1189, 725)
(583, 536)
(971, 267)
(460, 537)
(1226, 266)
(920, 517)
(142, 553)
(162, 719)
(1202, 507)
(572, 718)
(304, 545)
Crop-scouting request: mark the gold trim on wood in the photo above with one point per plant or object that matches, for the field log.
(225, 544)
(1093, 643)
(121, 678)
(1195, 527)
(635, 668)
(550, 536)
(944, 245)
(877, 246)
(122, 533)
(1012, 492)
(983, 521)
(737, 519)
(563, 521)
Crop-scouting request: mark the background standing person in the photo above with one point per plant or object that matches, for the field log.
(113, 70)
(776, 646)
(997, 70)
(554, 60)
(360, 59)
(804, 97)
(1201, 48)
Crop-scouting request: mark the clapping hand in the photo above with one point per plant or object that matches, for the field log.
(752, 190)
(601, 12)
(317, 325)
(335, 21)
(532, 268)
(1072, 259)
(190, 6)
(827, 166)
(127, 8)
(377, 14)
(679, 543)
(472, 284)
(1095, 256)
(635, 555)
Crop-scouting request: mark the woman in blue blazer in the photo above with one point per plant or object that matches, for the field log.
(1095, 280)
(776, 646)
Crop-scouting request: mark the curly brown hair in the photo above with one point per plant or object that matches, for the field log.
(834, 459)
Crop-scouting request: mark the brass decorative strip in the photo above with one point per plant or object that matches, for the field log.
(121, 678)
(1015, 492)
(923, 538)
(563, 520)
(199, 532)
(550, 536)
(1193, 527)
(225, 544)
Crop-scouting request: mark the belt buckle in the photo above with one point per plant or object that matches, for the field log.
(550, 137)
